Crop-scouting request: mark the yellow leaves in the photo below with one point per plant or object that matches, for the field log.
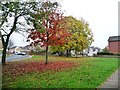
(80, 34)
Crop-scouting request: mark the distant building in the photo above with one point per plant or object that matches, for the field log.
(114, 44)
(28, 47)
(12, 49)
(92, 51)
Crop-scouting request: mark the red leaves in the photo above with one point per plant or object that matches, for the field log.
(21, 68)
(54, 34)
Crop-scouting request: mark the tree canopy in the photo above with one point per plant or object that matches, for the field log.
(48, 26)
(11, 17)
(80, 37)
(48, 29)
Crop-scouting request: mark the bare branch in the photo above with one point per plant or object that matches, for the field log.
(24, 12)
(24, 31)
(5, 14)
(4, 31)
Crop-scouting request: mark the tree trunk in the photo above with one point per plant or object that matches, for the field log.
(67, 52)
(82, 50)
(76, 53)
(4, 56)
(4, 44)
(46, 55)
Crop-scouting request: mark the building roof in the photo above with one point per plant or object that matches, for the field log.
(114, 38)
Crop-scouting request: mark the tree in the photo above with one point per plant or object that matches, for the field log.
(10, 15)
(106, 50)
(49, 30)
(80, 35)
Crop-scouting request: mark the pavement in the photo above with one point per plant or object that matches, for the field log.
(112, 83)
(16, 57)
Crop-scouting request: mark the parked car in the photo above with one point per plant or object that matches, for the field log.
(20, 53)
(90, 54)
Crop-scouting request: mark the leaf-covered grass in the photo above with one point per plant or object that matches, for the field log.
(28, 67)
(75, 73)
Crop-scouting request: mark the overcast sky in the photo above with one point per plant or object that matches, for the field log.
(102, 16)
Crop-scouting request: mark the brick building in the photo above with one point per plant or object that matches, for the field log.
(114, 44)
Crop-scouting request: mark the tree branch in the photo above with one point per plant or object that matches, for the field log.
(4, 31)
(5, 14)
(24, 12)
(3, 41)
(23, 30)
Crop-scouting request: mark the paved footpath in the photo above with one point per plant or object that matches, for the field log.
(112, 83)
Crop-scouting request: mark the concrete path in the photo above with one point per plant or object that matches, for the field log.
(16, 58)
(112, 83)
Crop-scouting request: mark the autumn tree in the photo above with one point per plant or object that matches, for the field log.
(10, 20)
(48, 30)
(80, 38)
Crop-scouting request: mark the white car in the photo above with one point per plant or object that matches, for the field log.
(20, 53)
(90, 54)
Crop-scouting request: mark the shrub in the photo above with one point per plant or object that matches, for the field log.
(104, 53)
(37, 52)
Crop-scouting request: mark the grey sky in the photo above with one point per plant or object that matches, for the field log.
(102, 16)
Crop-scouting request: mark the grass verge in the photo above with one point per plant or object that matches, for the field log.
(89, 73)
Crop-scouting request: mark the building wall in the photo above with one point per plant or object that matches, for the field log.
(114, 47)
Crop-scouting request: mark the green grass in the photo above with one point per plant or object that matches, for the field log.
(90, 73)
(36, 57)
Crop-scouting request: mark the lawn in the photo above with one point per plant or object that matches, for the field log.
(61, 72)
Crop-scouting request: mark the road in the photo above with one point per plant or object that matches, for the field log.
(17, 57)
